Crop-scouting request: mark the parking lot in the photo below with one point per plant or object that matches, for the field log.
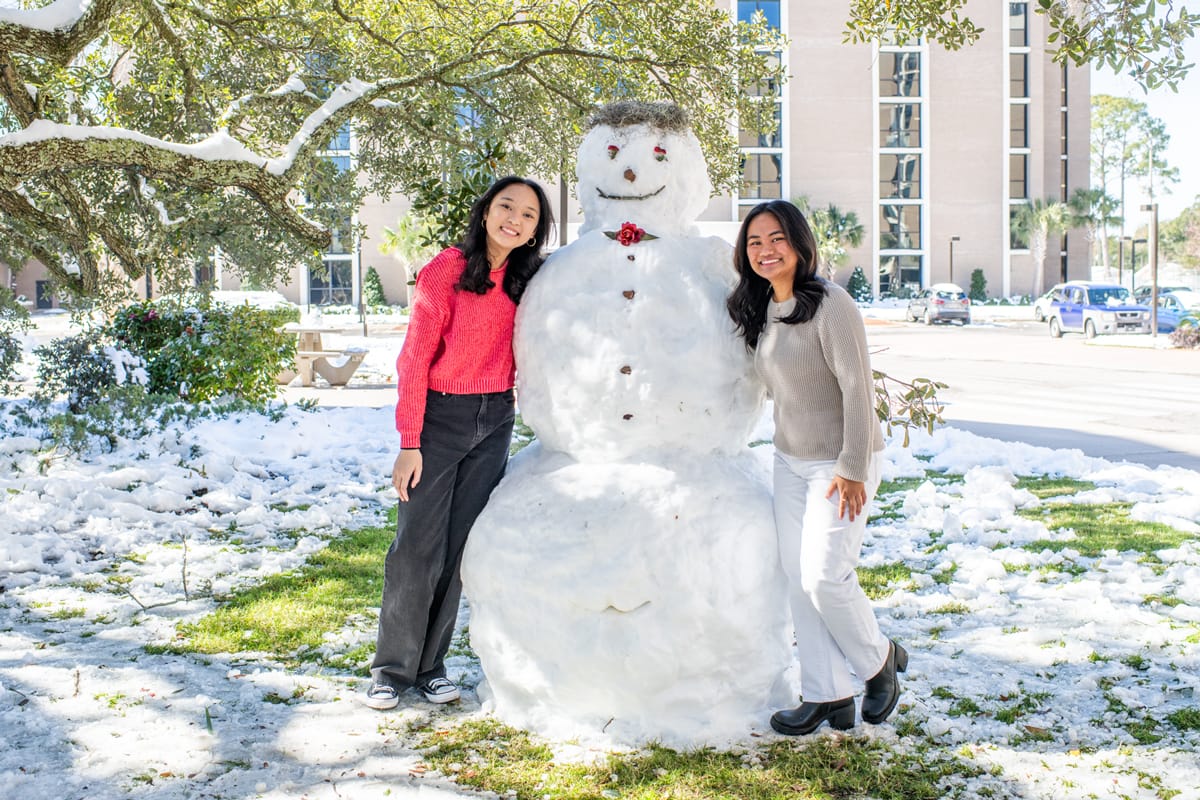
(1119, 397)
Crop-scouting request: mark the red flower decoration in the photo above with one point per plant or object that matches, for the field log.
(630, 234)
(613, 150)
(660, 154)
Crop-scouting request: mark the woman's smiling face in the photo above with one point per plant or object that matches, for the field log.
(771, 254)
(511, 219)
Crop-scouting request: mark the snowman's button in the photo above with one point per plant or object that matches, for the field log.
(628, 294)
(631, 257)
(627, 416)
(625, 370)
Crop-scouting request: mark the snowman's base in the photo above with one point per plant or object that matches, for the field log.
(631, 602)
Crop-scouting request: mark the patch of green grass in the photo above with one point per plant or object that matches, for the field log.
(1100, 527)
(965, 707)
(876, 581)
(278, 699)
(899, 485)
(461, 644)
(1185, 719)
(1136, 661)
(1019, 705)
(1064, 567)
(67, 613)
(951, 608)
(1164, 599)
(1043, 486)
(946, 576)
(1144, 730)
(936, 632)
(1012, 629)
(499, 759)
(293, 610)
(943, 693)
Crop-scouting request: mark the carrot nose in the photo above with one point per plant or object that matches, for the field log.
(630, 175)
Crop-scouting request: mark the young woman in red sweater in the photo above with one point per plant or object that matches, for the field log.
(455, 414)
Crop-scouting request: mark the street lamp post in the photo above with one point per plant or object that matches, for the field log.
(953, 239)
(1153, 209)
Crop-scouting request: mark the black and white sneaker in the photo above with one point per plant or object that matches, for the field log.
(439, 690)
(381, 696)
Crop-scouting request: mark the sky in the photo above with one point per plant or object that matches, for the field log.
(1180, 111)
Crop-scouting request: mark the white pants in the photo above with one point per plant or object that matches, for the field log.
(836, 631)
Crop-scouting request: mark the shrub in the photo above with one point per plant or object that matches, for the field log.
(858, 287)
(373, 295)
(84, 367)
(1187, 336)
(13, 319)
(978, 290)
(198, 352)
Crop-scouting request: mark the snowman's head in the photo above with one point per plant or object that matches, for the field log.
(641, 163)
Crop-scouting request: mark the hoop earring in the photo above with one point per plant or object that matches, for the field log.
(532, 241)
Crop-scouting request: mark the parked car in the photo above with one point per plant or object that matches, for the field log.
(1178, 308)
(941, 302)
(1094, 308)
(1141, 295)
(1041, 306)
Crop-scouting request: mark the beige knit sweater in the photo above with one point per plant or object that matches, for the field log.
(818, 374)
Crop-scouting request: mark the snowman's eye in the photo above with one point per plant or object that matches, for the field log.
(612, 151)
(660, 154)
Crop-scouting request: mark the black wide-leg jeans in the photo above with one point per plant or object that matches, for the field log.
(464, 451)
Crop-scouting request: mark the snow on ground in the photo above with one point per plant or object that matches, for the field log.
(1061, 654)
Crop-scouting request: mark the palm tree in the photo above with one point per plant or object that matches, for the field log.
(1094, 210)
(834, 230)
(1036, 222)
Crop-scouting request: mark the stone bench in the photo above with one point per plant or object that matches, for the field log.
(335, 366)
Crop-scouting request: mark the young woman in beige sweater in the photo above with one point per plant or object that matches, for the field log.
(810, 349)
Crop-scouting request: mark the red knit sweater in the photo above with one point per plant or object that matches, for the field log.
(457, 342)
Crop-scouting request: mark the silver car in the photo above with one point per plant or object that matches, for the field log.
(941, 302)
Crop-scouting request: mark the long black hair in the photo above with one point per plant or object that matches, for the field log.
(747, 304)
(523, 262)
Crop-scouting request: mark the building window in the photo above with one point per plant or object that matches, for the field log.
(899, 74)
(762, 153)
(1018, 125)
(899, 275)
(899, 125)
(1018, 24)
(900, 227)
(333, 282)
(1016, 240)
(769, 8)
(899, 175)
(1018, 66)
(1018, 176)
(755, 139)
(762, 176)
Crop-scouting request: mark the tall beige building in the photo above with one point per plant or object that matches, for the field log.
(934, 151)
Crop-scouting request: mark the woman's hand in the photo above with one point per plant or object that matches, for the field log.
(852, 496)
(406, 472)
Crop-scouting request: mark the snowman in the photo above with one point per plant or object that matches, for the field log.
(624, 579)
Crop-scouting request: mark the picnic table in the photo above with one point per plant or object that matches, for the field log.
(313, 358)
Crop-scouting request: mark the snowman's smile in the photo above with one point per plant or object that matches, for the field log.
(629, 196)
